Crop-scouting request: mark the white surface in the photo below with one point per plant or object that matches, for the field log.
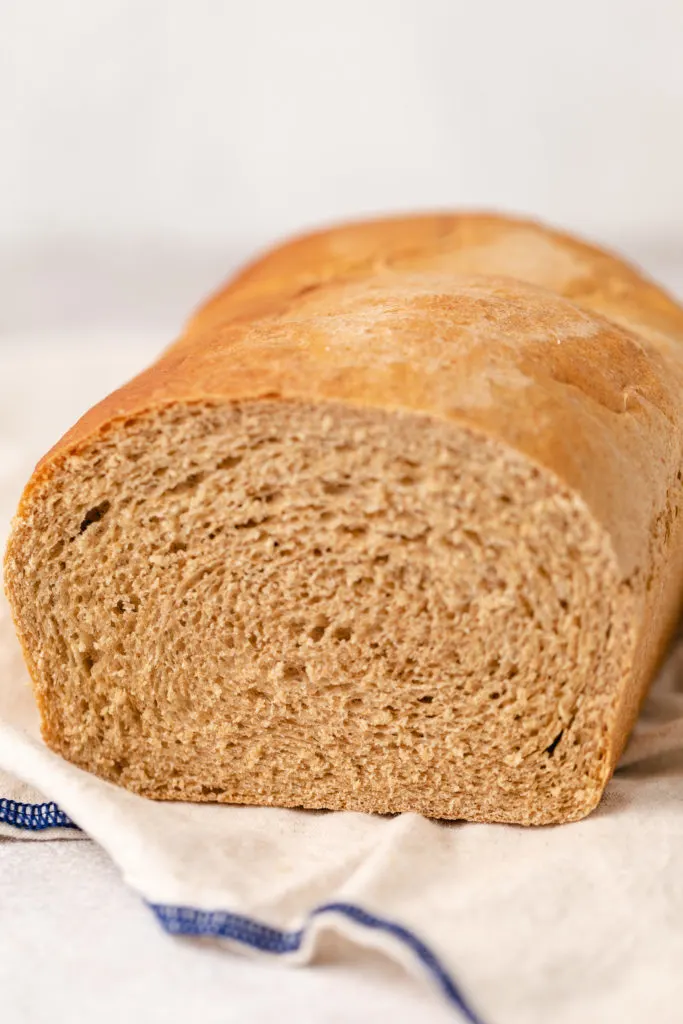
(208, 121)
(76, 945)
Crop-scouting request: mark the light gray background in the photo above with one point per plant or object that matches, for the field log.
(148, 145)
(201, 120)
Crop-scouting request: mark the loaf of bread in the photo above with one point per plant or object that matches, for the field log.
(394, 526)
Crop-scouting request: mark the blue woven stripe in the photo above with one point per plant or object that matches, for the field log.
(34, 817)
(223, 925)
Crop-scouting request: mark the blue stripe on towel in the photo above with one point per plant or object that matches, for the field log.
(221, 924)
(34, 817)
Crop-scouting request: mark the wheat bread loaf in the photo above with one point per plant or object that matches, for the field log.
(394, 526)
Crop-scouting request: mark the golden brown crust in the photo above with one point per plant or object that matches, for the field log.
(470, 243)
(385, 250)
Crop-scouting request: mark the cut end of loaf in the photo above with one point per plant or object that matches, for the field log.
(314, 606)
